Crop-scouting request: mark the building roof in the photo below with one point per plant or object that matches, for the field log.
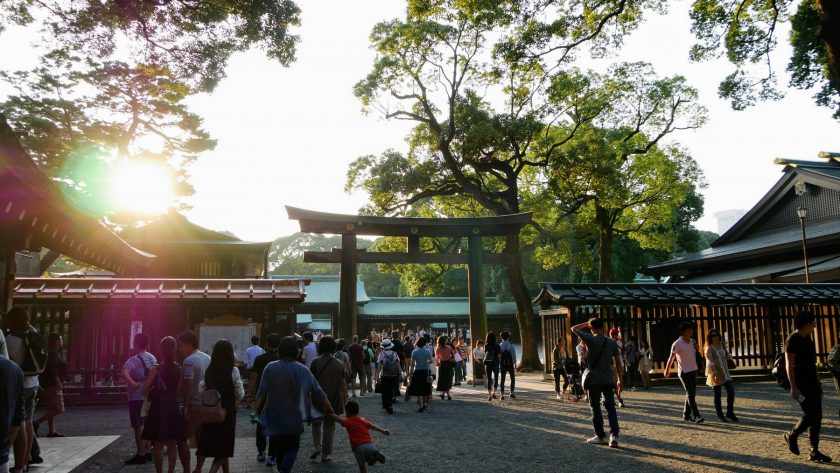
(322, 222)
(325, 289)
(634, 294)
(172, 228)
(32, 206)
(430, 306)
(290, 291)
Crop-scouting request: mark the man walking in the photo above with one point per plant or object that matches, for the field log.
(685, 350)
(310, 351)
(252, 352)
(357, 358)
(508, 363)
(329, 372)
(272, 344)
(192, 373)
(603, 359)
(134, 373)
(805, 387)
(11, 407)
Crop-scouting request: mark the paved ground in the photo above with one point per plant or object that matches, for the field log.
(534, 433)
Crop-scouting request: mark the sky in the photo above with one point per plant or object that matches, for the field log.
(286, 135)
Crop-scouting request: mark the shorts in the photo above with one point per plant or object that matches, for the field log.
(30, 398)
(134, 408)
(53, 399)
(363, 452)
(192, 426)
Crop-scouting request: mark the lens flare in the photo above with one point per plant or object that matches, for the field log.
(141, 187)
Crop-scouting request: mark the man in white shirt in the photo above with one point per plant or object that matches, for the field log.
(685, 351)
(310, 351)
(253, 352)
(192, 373)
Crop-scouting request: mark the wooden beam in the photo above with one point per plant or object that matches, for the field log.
(334, 256)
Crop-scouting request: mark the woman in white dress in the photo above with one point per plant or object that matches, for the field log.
(645, 362)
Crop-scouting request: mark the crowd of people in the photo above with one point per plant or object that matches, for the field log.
(187, 399)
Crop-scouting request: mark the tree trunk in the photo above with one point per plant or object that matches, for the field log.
(605, 243)
(530, 359)
(830, 34)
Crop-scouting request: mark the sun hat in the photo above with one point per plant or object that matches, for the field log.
(387, 344)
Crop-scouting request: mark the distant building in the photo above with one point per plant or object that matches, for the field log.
(765, 245)
(726, 219)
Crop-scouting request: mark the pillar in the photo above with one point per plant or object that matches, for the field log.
(477, 292)
(7, 270)
(347, 307)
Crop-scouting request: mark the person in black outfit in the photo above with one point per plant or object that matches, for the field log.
(492, 356)
(217, 439)
(805, 387)
(12, 413)
(164, 424)
(260, 362)
(51, 386)
(399, 349)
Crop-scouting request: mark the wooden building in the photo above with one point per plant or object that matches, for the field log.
(187, 250)
(766, 244)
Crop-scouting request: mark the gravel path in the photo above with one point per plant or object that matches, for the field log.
(535, 433)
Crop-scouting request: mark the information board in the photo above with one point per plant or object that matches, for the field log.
(238, 335)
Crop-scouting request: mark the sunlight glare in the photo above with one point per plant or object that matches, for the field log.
(141, 187)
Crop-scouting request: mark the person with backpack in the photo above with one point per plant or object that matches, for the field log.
(134, 373)
(388, 374)
(28, 349)
(508, 363)
(369, 364)
(491, 364)
(684, 349)
(331, 376)
(805, 386)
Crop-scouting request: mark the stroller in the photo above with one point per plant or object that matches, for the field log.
(573, 372)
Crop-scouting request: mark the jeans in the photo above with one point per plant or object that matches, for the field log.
(595, 392)
(359, 371)
(464, 369)
(459, 371)
(286, 447)
(730, 398)
(323, 432)
(689, 382)
(369, 376)
(557, 375)
(632, 369)
(492, 370)
(811, 418)
(390, 390)
(508, 370)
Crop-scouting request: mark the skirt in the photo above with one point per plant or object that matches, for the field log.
(419, 384)
(217, 440)
(445, 374)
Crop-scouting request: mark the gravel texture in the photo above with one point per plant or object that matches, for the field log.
(534, 433)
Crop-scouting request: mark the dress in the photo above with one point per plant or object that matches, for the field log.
(420, 384)
(644, 360)
(217, 440)
(164, 422)
(447, 369)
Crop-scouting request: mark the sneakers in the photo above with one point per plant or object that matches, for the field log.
(136, 460)
(817, 456)
(793, 446)
(613, 441)
(698, 420)
(731, 416)
(314, 454)
(597, 440)
(621, 403)
(721, 418)
(559, 397)
(35, 460)
(261, 457)
(381, 458)
(271, 461)
(325, 459)
(512, 396)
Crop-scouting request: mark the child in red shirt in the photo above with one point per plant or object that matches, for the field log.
(360, 439)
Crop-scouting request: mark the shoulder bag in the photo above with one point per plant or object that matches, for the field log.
(586, 377)
(212, 411)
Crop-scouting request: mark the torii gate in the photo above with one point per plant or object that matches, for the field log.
(349, 257)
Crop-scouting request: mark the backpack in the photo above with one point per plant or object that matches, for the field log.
(507, 358)
(779, 371)
(391, 365)
(367, 358)
(35, 354)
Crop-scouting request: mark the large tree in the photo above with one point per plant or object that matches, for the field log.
(485, 118)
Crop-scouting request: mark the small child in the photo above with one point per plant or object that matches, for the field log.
(360, 440)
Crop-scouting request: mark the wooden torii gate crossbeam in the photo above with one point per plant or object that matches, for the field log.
(349, 257)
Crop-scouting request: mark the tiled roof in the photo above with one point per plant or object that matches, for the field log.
(430, 306)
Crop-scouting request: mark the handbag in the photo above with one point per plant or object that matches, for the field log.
(586, 373)
(730, 363)
(212, 411)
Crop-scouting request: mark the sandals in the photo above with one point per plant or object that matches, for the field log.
(55, 435)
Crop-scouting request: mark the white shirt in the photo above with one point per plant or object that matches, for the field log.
(686, 354)
(251, 354)
(310, 352)
(17, 353)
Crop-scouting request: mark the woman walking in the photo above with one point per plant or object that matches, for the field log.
(718, 377)
(645, 362)
(217, 439)
(478, 355)
(446, 372)
(492, 355)
(50, 379)
(164, 425)
(559, 357)
(388, 374)
(421, 376)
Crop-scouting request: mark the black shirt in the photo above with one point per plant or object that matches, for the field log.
(51, 370)
(11, 403)
(492, 352)
(805, 361)
(260, 363)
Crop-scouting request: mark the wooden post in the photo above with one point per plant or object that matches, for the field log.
(347, 308)
(7, 271)
(475, 283)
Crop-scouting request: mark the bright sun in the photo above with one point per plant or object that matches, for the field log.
(142, 188)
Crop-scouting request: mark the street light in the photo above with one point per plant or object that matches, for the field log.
(802, 212)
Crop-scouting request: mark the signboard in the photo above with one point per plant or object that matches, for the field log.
(236, 330)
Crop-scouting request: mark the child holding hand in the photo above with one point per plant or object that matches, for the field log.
(360, 439)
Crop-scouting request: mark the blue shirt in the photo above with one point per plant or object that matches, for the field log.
(422, 359)
(288, 388)
(507, 346)
(138, 374)
(11, 403)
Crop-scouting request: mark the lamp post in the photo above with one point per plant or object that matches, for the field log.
(802, 212)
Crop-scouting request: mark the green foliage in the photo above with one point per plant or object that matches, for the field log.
(746, 33)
